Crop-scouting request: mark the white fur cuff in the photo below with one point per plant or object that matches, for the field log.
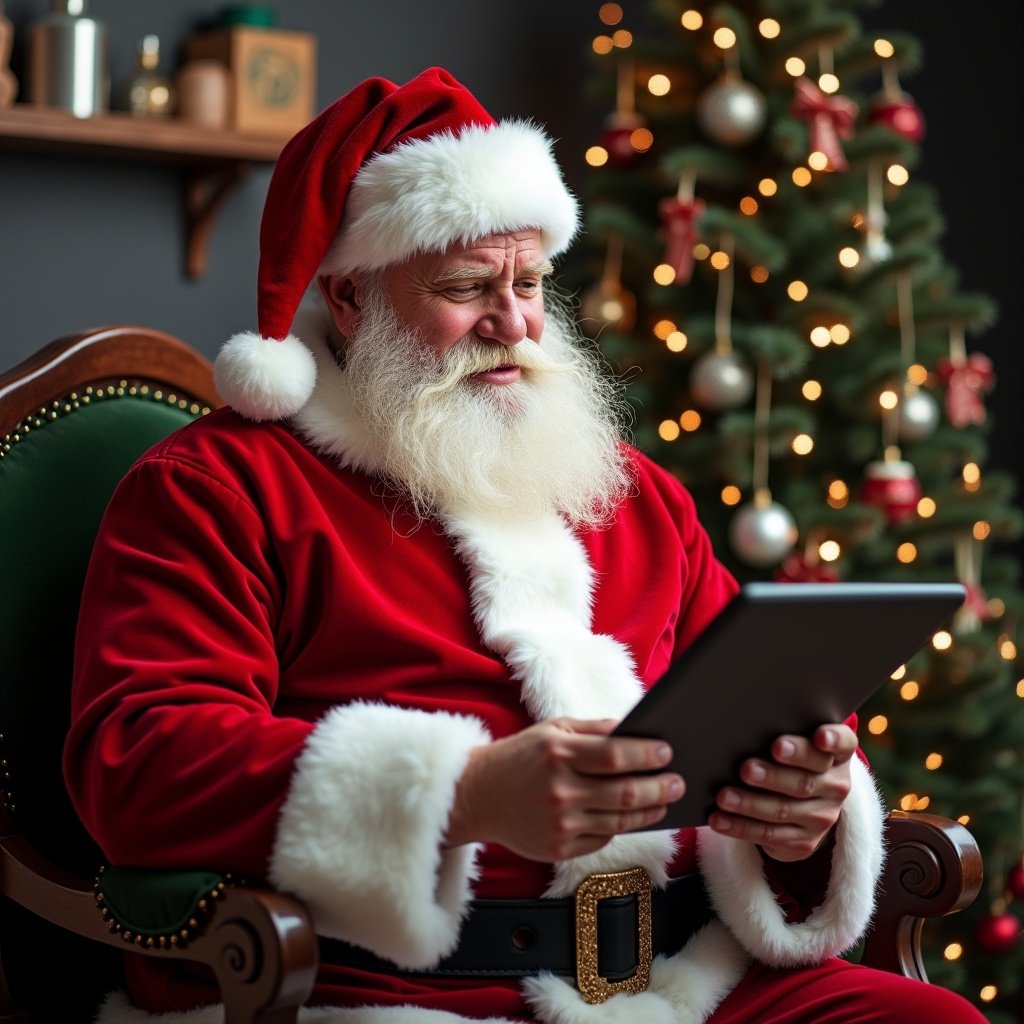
(359, 837)
(734, 875)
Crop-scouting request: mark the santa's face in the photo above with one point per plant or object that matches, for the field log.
(490, 291)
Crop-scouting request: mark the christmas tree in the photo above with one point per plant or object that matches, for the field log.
(766, 271)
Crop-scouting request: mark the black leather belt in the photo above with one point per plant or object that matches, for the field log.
(516, 938)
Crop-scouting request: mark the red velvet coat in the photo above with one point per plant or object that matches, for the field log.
(243, 590)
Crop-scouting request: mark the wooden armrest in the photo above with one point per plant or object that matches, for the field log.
(260, 944)
(933, 868)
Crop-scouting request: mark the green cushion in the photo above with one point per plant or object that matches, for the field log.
(55, 482)
(154, 904)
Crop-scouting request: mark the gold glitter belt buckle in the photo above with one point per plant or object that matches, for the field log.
(597, 887)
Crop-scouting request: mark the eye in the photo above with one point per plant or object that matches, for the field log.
(529, 285)
(463, 291)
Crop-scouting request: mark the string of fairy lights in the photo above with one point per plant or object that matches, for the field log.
(906, 410)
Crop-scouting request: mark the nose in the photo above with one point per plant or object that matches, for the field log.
(503, 323)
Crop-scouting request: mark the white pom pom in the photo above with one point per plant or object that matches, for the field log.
(262, 379)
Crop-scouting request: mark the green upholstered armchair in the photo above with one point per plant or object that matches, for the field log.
(73, 418)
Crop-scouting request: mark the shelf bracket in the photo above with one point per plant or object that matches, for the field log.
(206, 190)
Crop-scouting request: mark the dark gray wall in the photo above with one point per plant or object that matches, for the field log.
(89, 242)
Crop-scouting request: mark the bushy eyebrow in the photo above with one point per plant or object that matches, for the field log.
(542, 269)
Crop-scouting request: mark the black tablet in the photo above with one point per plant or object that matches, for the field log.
(780, 658)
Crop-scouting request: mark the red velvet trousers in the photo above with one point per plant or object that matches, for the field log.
(837, 992)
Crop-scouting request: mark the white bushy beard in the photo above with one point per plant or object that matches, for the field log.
(549, 441)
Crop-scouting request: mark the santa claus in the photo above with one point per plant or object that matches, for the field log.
(365, 633)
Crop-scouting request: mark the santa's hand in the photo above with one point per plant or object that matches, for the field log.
(794, 800)
(560, 789)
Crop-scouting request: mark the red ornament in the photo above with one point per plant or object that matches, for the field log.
(892, 487)
(1015, 881)
(679, 219)
(900, 113)
(617, 137)
(831, 118)
(798, 568)
(998, 931)
(975, 601)
(965, 381)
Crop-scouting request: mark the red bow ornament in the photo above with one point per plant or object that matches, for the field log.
(975, 602)
(679, 219)
(831, 118)
(964, 382)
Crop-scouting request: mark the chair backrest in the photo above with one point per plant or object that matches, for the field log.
(73, 419)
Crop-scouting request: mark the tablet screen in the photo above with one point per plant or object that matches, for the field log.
(780, 658)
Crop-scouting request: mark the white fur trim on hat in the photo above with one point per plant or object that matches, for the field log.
(429, 194)
(262, 379)
(734, 875)
(360, 834)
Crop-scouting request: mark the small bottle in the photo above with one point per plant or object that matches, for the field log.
(67, 60)
(147, 92)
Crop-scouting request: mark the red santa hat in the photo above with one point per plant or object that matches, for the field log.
(383, 173)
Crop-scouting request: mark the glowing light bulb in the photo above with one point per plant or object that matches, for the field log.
(829, 551)
(767, 187)
(906, 552)
(795, 67)
(926, 508)
(797, 291)
(953, 951)
(820, 336)
(884, 48)
(769, 28)
(898, 174)
(668, 430)
(811, 390)
(933, 762)
(690, 420)
(659, 85)
(725, 38)
(731, 495)
(603, 44)
(691, 20)
(597, 156)
(899, 673)
(910, 690)
(878, 725)
(676, 341)
(610, 14)
(663, 274)
(802, 177)
(849, 257)
(663, 328)
(803, 444)
(943, 640)
(828, 83)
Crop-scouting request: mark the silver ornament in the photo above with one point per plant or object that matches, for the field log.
(720, 381)
(918, 416)
(762, 535)
(732, 111)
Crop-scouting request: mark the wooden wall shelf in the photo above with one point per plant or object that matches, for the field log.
(214, 161)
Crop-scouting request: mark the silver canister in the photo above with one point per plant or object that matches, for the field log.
(67, 61)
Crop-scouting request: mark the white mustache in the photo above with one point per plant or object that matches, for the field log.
(470, 356)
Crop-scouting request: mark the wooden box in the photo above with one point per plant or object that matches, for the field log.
(273, 74)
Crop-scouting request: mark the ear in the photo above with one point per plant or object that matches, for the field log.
(341, 294)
